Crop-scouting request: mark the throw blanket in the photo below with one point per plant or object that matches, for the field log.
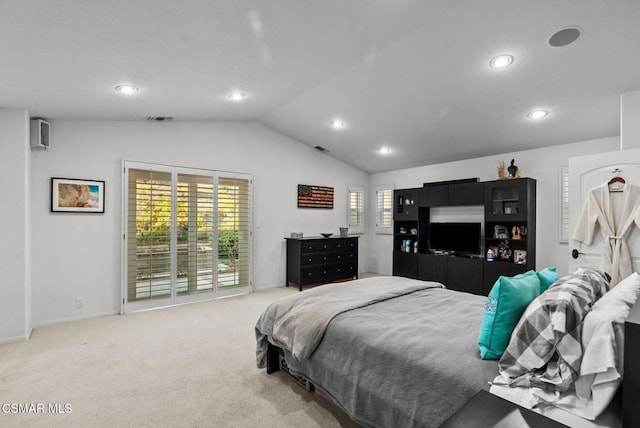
(601, 367)
(297, 323)
(545, 350)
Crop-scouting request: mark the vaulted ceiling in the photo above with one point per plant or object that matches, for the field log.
(411, 75)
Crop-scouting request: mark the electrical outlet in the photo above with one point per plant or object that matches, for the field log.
(79, 302)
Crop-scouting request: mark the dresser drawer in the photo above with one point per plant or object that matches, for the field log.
(322, 245)
(317, 274)
(350, 255)
(346, 270)
(311, 259)
(351, 244)
(311, 247)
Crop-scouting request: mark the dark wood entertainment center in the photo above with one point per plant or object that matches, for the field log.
(509, 208)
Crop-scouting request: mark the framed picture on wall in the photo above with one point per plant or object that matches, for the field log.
(77, 196)
(315, 196)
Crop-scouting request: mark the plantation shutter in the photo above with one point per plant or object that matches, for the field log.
(565, 233)
(356, 210)
(384, 210)
(234, 231)
(149, 228)
(195, 240)
(187, 235)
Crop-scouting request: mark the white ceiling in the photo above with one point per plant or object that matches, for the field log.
(409, 74)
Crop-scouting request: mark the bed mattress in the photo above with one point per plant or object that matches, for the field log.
(407, 361)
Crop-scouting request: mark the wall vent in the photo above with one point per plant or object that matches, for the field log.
(160, 118)
(321, 149)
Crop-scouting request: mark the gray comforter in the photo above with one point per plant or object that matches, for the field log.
(409, 361)
(298, 322)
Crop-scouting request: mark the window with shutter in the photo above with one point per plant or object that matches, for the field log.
(234, 235)
(564, 204)
(356, 210)
(187, 235)
(384, 210)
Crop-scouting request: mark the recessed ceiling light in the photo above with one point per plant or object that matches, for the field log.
(501, 61)
(537, 114)
(237, 96)
(337, 123)
(384, 150)
(127, 89)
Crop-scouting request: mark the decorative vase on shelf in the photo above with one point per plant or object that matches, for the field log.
(501, 170)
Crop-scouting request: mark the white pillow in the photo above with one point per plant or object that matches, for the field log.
(602, 342)
(621, 297)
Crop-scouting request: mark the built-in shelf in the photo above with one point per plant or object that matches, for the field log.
(508, 204)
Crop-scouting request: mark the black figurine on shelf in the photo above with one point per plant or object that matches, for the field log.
(513, 170)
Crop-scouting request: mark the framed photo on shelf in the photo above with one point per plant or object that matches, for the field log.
(77, 196)
(520, 257)
(500, 232)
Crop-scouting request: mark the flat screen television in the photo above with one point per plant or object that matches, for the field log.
(459, 238)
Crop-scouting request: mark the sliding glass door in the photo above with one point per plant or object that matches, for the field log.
(187, 235)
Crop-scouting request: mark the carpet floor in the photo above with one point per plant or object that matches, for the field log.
(185, 366)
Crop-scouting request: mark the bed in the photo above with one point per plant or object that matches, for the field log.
(388, 351)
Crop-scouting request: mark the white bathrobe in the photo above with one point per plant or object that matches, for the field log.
(616, 213)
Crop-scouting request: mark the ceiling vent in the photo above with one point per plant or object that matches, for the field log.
(159, 118)
(565, 37)
(321, 149)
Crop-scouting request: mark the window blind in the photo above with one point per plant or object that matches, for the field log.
(194, 233)
(187, 234)
(565, 233)
(356, 210)
(233, 232)
(384, 210)
(149, 225)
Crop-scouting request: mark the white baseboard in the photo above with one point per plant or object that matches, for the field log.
(8, 340)
(78, 318)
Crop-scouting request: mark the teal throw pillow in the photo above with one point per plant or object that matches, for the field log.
(506, 303)
(547, 276)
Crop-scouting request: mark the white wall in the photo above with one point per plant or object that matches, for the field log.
(15, 300)
(78, 255)
(542, 164)
(75, 255)
(629, 123)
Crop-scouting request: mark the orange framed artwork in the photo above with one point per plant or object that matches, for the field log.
(77, 195)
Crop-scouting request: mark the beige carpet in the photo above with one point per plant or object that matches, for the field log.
(186, 366)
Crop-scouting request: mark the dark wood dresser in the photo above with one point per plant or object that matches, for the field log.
(317, 260)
